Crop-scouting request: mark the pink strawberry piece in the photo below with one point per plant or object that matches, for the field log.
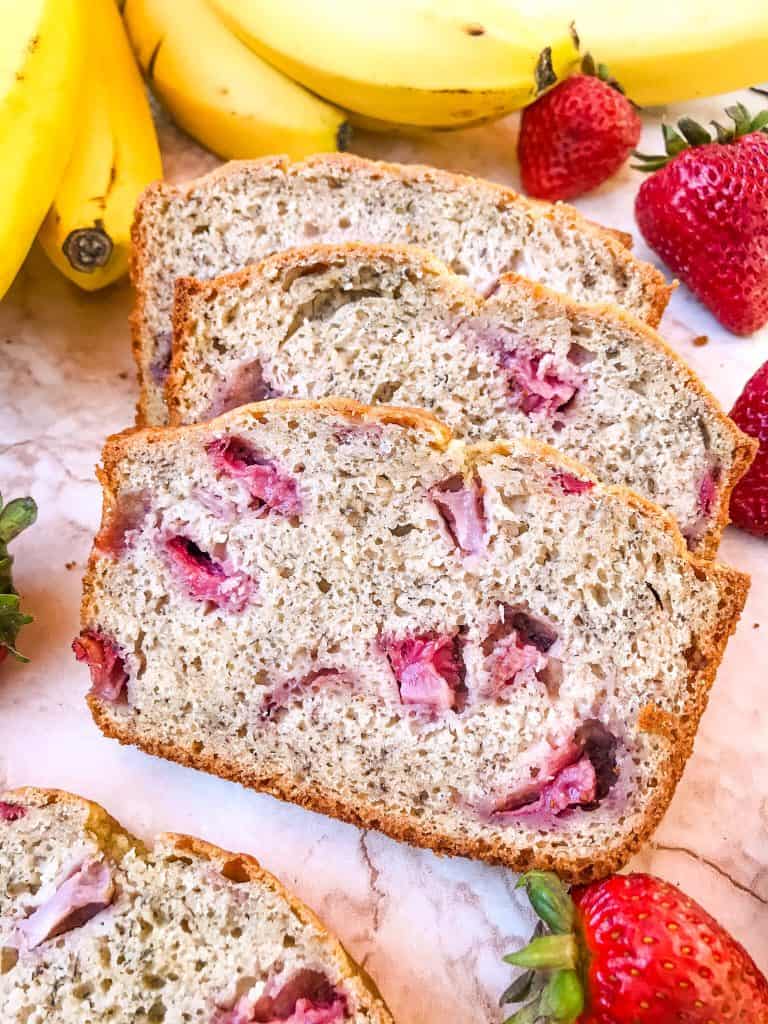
(704, 210)
(576, 136)
(11, 812)
(204, 579)
(517, 644)
(573, 786)
(569, 483)
(125, 519)
(462, 509)
(578, 774)
(509, 660)
(533, 388)
(749, 500)
(284, 693)
(105, 662)
(533, 383)
(85, 893)
(306, 998)
(161, 364)
(246, 384)
(708, 490)
(428, 670)
(271, 489)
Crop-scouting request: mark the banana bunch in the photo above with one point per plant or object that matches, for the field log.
(418, 63)
(115, 155)
(78, 137)
(41, 53)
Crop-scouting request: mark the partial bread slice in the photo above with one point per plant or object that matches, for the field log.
(378, 323)
(95, 926)
(247, 210)
(474, 648)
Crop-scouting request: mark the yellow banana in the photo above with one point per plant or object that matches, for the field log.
(41, 60)
(116, 155)
(665, 52)
(222, 94)
(426, 63)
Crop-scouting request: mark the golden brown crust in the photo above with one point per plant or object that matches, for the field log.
(657, 289)
(118, 445)
(190, 290)
(675, 734)
(237, 867)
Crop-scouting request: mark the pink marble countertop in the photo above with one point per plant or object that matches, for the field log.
(431, 931)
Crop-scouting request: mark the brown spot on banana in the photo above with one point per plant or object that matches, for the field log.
(88, 249)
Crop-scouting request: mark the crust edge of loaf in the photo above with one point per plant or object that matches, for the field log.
(100, 822)
(678, 732)
(658, 289)
(189, 291)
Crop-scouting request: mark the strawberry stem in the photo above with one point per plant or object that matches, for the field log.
(547, 953)
(691, 133)
(552, 983)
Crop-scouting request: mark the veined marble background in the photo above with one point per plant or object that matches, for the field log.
(431, 931)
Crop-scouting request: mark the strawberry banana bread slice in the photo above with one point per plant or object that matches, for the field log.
(475, 648)
(247, 210)
(94, 926)
(384, 324)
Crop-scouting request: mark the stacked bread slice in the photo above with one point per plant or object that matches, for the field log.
(246, 211)
(384, 324)
(475, 647)
(95, 926)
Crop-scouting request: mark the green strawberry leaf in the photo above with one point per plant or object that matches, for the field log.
(690, 133)
(16, 516)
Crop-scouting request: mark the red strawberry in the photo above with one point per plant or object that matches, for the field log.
(749, 501)
(576, 135)
(632, 950)
(705, 212)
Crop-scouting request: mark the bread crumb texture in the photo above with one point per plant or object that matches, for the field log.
(96, 927)
(462, 645)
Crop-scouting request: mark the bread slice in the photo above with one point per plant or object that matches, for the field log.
(377, 323)
(247, 210)
(474, 648)
(95, 926)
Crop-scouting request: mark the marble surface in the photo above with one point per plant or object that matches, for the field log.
(430, 930)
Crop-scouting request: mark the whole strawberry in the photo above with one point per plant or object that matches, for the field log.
(749, 500)
(704, 210)
(632, 950)
(576, 136)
